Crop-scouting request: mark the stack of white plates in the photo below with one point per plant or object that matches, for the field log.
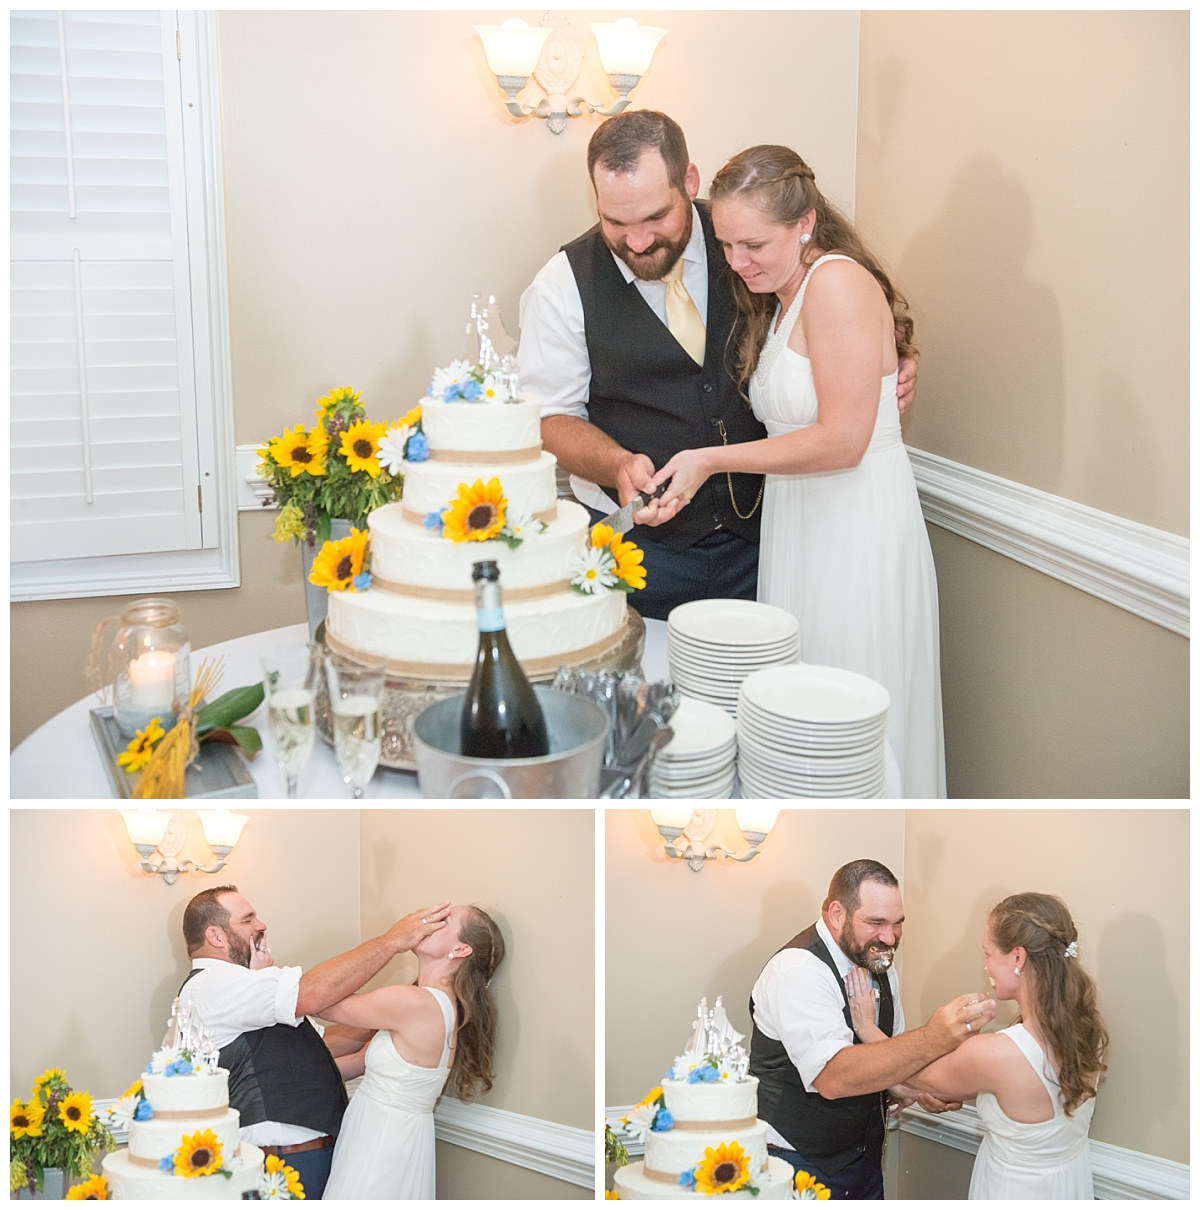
(713, 645)
(808, 731)
(700, 761)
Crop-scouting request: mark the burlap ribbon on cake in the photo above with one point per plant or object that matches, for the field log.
(720, 1124)
(531, 453)
(466, 596)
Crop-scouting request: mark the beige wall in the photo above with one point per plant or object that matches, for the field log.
(1025, 175)
(96, 949)
(1125, 876)
(374, 182)
(673, 936)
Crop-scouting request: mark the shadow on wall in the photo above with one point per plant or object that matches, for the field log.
(991, 338)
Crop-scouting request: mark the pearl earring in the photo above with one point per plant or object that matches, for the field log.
(805, 237)
(1016, 970)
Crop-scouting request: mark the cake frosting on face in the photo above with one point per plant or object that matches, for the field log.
(474, 463)
(702, 1133)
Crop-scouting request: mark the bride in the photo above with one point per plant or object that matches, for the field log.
(442, 1028)
(1035, 1082)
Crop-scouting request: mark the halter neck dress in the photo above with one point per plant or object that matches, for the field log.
(386, 1145)
(847, 553)
(1033, 1160)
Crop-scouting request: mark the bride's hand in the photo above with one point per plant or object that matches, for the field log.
(861, 994)
(687, 471)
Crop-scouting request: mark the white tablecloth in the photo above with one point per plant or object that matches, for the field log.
(61, 759)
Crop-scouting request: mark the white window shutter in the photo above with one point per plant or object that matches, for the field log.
(104, 443)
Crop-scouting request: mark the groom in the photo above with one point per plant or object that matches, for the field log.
(823, 1095)
(284, 1079)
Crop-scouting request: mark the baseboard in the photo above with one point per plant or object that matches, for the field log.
(1143, 570)
(1119, 1174)
(566, 1153)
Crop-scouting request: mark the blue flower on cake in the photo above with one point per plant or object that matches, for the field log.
(447, 381)
(418, 448)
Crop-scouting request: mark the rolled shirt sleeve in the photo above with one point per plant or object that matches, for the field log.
(230, 1000)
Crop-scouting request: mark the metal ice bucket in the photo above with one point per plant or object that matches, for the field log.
(577, 729)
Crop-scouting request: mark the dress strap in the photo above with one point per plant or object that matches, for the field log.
(448, 1019)
(812, 269)
(1035, 1056)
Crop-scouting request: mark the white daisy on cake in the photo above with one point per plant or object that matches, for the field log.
(639, 1121)
(390, 450)
(453, 375)
(688, 1061)
(493, 390)
(120, 1113)
(593, 569)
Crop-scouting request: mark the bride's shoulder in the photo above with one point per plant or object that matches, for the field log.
(836, 275)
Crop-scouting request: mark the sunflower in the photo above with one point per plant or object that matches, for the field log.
(52, 1075)
(652, 1097)
(809, 1189)
(360, 443)
(724, 1169)
(611, 1195)
(293, 452)
(477, 513)
(278, 1180)
(629, 562)
(95, 1189)
(340, 395)
(141, 747)
(134, 1090)
(198, 1155)
(602, 535)
(411, 418)
(75, 1112)
(26, 1120)
(340, 563)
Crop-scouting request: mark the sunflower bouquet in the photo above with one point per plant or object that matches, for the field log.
(343, 467)
(55, 1128)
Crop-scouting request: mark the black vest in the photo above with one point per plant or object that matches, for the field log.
(284, 1073)
(649, 396)
(829, 1133)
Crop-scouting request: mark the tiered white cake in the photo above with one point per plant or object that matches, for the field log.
(702, 1131)
(419, 612)
(180, 1125)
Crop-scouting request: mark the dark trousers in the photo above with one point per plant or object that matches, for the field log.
(721, 565)
(312, 1167)
(861, 1180)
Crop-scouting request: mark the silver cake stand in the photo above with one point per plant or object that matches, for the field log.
(404, 699)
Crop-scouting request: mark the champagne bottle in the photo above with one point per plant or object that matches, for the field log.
(501, 716)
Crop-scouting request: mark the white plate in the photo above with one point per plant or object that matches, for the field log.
(830, 733)
(805, 787)
(816, 693)
(815, 766)
(733, 623)
(754, 789)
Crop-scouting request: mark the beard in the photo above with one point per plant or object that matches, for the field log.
(239, 949)
(656, 261)
(873, 956)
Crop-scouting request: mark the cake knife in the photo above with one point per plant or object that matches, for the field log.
(622, 520)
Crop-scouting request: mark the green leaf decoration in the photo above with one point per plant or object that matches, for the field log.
(229, 708)
(245, 738)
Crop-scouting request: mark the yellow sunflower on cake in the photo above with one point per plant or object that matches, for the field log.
(724, 1169)
(75, 1112)
(26, 1120)
(340, 563)
(360, 445)
(628, 558)
(809, 1189)
(602, 535)
(198, 1155)
(95, 1189)
(279, 1181)
(477, 513)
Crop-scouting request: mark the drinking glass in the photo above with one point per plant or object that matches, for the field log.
(290, 674)
(356, 699)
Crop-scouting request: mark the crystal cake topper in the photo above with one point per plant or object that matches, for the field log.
(488, 344)
(713, 1034)
(185, 1031)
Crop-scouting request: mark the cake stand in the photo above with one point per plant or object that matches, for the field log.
(404, 698)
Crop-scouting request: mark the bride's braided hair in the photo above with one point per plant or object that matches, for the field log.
(1064, 994)
(783, 186)
(472, 1071)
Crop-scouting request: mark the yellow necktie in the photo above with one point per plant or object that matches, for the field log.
(683, 318)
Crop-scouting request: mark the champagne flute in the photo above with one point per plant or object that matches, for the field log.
(290, 674)
(356, 699)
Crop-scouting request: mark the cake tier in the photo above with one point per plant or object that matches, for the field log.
(670, 1152)
(720, 1101)
(187, 1094)
(130, 1180)
(632, 1183)
(407, 558)
(161, 1135)
(529, 487)
(491, 433)
(423, 638)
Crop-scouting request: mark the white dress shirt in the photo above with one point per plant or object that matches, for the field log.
(553, 357)
(798, 1002)
(230, 1000)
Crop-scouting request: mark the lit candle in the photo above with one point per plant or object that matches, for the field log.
(152, 681)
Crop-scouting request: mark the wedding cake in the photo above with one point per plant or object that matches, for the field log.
(183, 1137)
(478, 485)
(701, 1128)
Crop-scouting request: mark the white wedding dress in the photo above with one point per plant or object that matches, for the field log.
(386, 1147)
(1033, 1160)
(847, 553)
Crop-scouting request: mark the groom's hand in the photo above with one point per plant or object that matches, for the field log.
(404, 934)
(260, 955)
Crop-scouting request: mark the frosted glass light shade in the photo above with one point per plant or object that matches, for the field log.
(757, 818)
(512, 48)
(626, 47)
(222, 828)
(671, 817)
(145, 827)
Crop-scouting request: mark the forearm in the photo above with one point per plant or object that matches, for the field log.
(336, 978)
(874, 1066)
(583, 449)
(352, 1065)
(815, 448)
(346, 1039)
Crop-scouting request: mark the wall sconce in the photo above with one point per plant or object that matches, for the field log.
(552, 54)
(695, 827)
(159, 837)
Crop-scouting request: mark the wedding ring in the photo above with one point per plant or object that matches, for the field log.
(968, 1027)
(424, 919)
